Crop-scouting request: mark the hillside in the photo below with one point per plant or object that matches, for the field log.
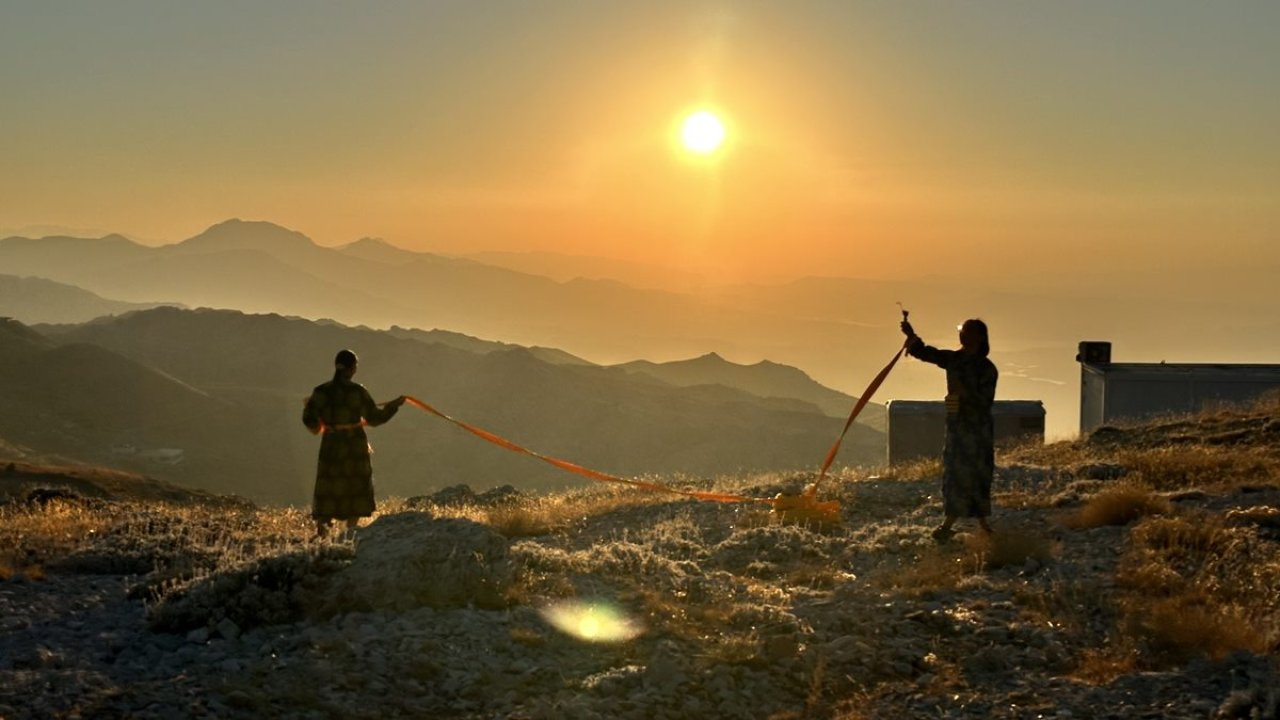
(462, 341)
(1132, 575)
(601, 417)
(36, 300)
(20, 481)
(764, 379)
(83, 401)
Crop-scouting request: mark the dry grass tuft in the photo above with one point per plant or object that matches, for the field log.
(548, 514)
(1181, 535)
(934, 571)
(15, 570)
(523, 521)
(1196, 585)
(1119, 504)
(1100, 666)
(943, 569)
(527, 636)
(50, 531)
(1179, 467)
(735, 649)
(676, 617)
(914, 471)
(1012, 547)
(1176, 629)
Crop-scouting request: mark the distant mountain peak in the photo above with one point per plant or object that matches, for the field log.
(253, 234)
(381, 250)
(368, 242)
(709, 358)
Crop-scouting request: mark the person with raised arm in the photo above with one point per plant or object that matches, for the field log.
(968, 456)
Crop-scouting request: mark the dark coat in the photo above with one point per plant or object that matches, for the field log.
(968, 457)
(344, 473)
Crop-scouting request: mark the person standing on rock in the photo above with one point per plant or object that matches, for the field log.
(968, 457)
(338, 411)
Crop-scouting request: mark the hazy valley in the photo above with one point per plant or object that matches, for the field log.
(226, 389)
(839, 331)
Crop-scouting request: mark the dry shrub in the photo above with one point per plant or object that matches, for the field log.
(546, 514)
(915, 470)
(528, 637)
(934, 571)
(1178, 628)
(1198, 586)
(50, 531)
(734, 649)
(673, 617)
(1062, 453)
(943, 569)
(1181, 535)
(1005, 548)
(521, 521)
(1100, 666)
(1119, 504)
(1178, 467)
(12, 570)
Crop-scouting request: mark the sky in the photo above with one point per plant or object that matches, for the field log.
(879, 140)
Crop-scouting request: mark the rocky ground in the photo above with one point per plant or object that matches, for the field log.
(446, 606)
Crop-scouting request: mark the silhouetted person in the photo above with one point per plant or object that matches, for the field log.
(968, 458)
(339, 410)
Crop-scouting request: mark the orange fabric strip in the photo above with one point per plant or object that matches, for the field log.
(574, 467)
(857, 408)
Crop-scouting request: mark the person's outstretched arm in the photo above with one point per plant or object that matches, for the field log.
(375, 414)
(917, 348)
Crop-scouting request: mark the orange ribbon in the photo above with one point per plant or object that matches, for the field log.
(653, 486)
(576, 468)
(857, 408)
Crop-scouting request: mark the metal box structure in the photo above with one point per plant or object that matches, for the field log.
(918, 428)
(1118, 392)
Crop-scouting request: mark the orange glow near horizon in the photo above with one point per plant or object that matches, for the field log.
(754, 142)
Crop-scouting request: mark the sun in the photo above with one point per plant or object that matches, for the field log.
(702, 132)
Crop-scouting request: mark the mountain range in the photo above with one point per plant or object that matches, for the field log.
(226, 388)
(838, 331)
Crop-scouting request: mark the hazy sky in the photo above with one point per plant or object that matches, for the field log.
(866, 139)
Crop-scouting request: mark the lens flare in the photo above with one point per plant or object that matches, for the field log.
(592, 621)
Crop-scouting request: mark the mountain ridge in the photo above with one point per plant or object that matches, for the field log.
(597, 416)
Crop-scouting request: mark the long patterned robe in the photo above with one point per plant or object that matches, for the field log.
(344, 473)
(968, 457)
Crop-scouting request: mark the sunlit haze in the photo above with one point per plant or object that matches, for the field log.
(1068, 171)
(872, 139)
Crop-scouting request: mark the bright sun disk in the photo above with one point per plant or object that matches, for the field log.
(702, 132)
